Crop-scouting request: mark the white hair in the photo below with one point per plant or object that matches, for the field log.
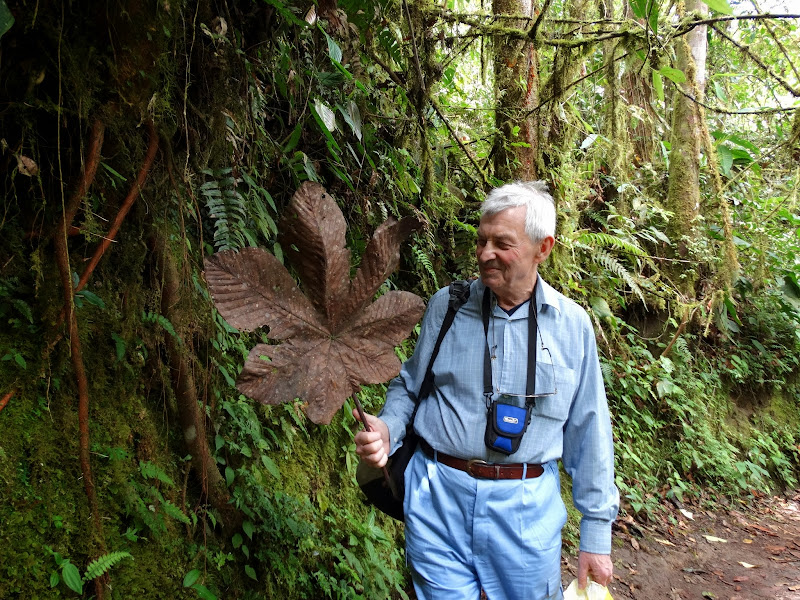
(540, 210)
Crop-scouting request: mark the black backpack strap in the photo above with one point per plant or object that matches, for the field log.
(459, 294)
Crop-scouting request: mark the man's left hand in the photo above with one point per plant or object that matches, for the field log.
(599, 566)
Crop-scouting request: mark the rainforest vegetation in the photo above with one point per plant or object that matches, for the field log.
(140, 137)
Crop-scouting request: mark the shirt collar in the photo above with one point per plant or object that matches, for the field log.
(545, 294)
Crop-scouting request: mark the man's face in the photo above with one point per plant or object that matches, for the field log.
(506, 256)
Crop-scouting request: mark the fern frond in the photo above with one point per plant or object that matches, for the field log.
(173, 511)
(606, 240)
(151, 471)
(102, 564)
(607, 370)
(612, 264)
(227, 207)
(422, 259)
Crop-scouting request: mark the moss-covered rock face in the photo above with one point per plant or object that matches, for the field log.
(300, 526)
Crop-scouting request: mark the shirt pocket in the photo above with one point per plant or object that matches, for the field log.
(563, 381)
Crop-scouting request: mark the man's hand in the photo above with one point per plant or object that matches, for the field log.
(373, 446)
(599, 566)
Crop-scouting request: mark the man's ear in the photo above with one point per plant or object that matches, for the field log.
(544, 248)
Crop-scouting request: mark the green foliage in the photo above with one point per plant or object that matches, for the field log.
(70, 574)
(101, 565)
(250, 105)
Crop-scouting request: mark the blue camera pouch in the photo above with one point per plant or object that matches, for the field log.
(505, 426)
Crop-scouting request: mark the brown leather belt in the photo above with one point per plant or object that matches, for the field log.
(481, 469)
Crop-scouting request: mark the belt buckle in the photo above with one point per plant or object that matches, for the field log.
(476, 462)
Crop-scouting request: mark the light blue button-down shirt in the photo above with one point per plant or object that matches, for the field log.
(572, 425)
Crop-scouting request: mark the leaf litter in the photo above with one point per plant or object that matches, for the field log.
(757, 562)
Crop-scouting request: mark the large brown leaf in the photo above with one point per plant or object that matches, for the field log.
(333, 339)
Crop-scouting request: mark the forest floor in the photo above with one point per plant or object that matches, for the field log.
(730, 553)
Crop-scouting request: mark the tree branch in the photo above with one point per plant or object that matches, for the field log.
(534, 30)
(722, 111)
(686, 26)
(784, 84)
(461, 145)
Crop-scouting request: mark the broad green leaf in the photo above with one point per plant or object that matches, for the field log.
(725, 159)
(55, 579)
(251, 572)
(740, 141)
(219, 442)
(205, 593)
(791, 287)
(91, 298)
(600, 307)
(646, 9)
(730, 307)
(664, 387)
(248, 528)
(293, 138)
(720, 6)
(120, 345)
(720, 91)
(72, 577)
(334, 51)
(191, 577)
(325, 114)
(743, 156)
(237, 540)
(352, 116)
(6, 18)
(658, 85)
(270, 466)
(230, 475)
(667, 365)
(676, 75)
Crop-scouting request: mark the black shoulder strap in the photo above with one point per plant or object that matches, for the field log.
(459, 294)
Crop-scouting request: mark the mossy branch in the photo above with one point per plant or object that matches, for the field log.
(464, 149)
(761, 64)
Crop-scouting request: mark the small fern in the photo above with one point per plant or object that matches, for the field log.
(606, 240)
(102, 564)
(151, 317)
(424, 261)
(612, 264)
(151, 471)
(174, 512)
(227, 208)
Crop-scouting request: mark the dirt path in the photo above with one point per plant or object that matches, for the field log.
(743, 553)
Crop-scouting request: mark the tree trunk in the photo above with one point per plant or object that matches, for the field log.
(683, 195)
(517, 145)
(192, 417)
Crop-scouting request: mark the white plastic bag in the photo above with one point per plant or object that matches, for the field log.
(593, 591)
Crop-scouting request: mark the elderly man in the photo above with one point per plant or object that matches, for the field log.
(517, 387)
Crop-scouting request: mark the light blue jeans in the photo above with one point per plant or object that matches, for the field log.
(465, 534)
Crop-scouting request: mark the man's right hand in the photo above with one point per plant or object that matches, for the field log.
(373, 446)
